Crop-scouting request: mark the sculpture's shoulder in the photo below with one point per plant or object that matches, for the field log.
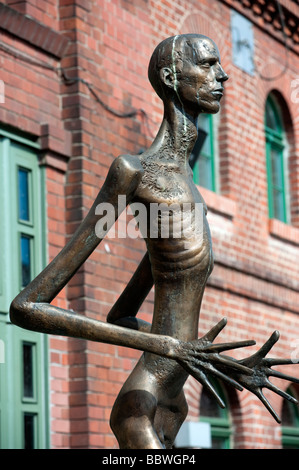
(127, 164)
(125, 173)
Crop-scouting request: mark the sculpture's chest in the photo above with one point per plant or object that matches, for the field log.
(165, 184)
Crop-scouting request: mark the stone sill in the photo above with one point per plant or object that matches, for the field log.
(283, 231)
(218, 204)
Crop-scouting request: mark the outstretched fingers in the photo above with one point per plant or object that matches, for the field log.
(204, 359)
(251, 373)
(280, 392)
(271, 361)
(226, 378)
(269, 344)
(224, 362)
(280, 375)
(220, 347)
(263, 351)
(214, 332)
(266, 403)
(197, 371)
(234, 364)
(202, 378)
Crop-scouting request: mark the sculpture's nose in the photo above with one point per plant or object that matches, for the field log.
(221, 75)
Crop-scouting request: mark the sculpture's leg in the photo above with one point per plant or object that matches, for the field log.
(141, 419)
(169, 418)
(132, 420)
(147, 414)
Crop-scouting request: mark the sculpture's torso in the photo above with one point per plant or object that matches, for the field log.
(180, 266)
(178, 243)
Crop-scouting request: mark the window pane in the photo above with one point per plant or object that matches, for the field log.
(271, 121)
(287, 417)
(23, 182)
(219, 443)
(290, 422)
(275, 149)
(203, 154)
(204, 124)
(278, 205)
(205, 172)
(208, 406)
(28, 379)
(25, 260)
(276, 167)
(29, 431)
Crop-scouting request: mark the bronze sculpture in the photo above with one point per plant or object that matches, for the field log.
(186, 73)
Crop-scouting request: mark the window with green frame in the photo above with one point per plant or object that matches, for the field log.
(23, 373)
(219, 419)
(290, 423)
(203, 155)
(275, 154)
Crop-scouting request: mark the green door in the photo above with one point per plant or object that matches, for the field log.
(23, 362)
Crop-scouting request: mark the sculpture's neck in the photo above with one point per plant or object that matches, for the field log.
(177, 134)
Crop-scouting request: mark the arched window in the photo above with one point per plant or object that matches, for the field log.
(219, 419)
(275, 154)
(202, 158)
(290, 424)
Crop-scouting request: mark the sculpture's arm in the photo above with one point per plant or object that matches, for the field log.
(122, 179)
(31, 309)
(125, 309)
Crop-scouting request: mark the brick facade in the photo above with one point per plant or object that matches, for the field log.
(51, 61)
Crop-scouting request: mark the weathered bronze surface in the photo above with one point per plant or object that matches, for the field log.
(186, 73)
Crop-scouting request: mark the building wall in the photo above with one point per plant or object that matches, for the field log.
(105, 46)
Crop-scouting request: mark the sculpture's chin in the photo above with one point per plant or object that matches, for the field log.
(211, 107)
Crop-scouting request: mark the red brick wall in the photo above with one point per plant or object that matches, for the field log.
(255, 281)
(45, 11)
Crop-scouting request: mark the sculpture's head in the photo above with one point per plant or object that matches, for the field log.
(187, 69)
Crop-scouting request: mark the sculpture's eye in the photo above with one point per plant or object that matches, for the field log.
(209, 62)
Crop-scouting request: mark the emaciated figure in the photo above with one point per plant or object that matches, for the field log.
(187, 74)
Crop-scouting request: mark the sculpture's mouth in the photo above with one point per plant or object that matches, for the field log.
(218, 93)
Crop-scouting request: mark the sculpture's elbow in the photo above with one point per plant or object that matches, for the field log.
(18, 313)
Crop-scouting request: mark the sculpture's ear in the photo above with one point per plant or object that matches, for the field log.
(167, 77)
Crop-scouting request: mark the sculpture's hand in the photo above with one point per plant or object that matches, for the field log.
(261, 368)
(202, 358)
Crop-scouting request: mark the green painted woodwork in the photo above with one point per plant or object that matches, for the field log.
(204, 169)
(290, 423)
(24, 419)
(275, 147)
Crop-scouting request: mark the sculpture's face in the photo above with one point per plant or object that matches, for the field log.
(200, 84)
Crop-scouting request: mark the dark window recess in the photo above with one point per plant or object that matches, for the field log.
(25, 260)
(29, 431)
(23, 181)
(28, 387)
